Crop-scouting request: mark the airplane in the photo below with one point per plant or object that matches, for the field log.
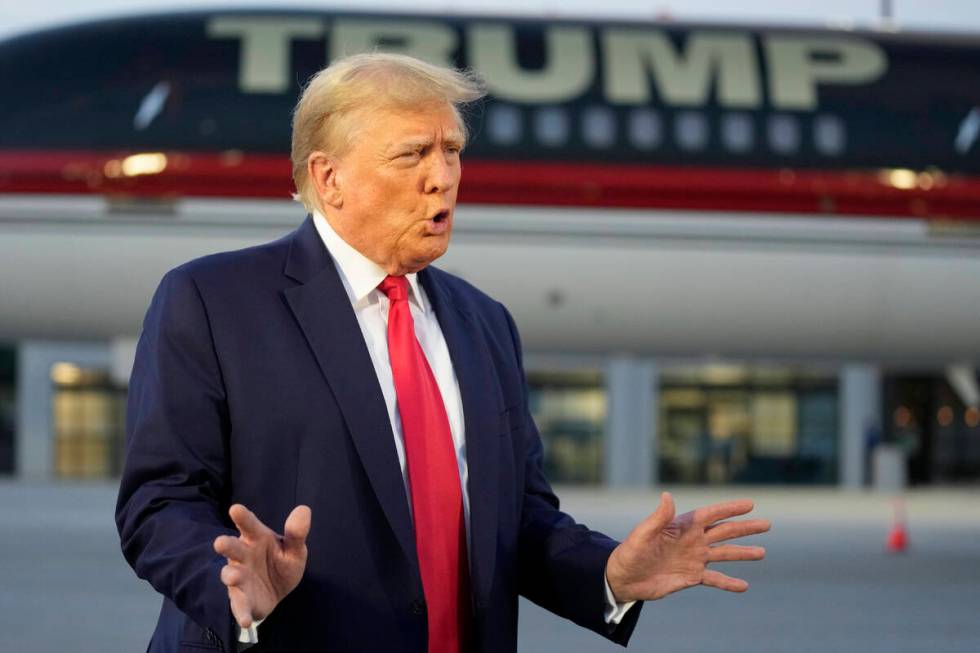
(664, 189)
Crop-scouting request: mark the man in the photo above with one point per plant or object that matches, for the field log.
(337, 383)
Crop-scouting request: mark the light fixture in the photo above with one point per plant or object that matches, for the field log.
(66, 373)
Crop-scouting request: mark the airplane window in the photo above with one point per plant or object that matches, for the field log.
(645, 129)
(691, 130)
(784, 134)
(829, 135)
(737, 132)
(551, 126)
(504, 124)
(598, 127)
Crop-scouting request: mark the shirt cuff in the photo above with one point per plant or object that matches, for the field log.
(614, 611)
(249, 635)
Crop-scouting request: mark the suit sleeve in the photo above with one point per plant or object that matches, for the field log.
(561, 564)
(174, 491)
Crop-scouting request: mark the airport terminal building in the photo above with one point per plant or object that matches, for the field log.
(736, 255)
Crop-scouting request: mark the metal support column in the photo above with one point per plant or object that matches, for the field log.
(860, 420)
(630, 445)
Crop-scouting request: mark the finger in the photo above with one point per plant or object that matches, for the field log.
(659, 518)
(231, 547)
(241, 607)
(297, 527)
(717, 579)
(232, 576)
(247, 523)
(733, 552)
(731, 530)
(724, 510)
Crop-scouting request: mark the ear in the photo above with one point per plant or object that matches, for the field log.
(322, 173)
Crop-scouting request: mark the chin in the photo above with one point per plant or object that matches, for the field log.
(423, 259)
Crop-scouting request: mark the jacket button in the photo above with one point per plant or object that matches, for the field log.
(418, 606)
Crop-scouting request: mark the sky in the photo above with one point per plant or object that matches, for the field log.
(945, 15)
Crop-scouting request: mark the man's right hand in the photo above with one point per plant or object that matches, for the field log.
(263, 566)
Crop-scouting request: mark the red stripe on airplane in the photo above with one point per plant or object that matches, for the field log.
(234, 174)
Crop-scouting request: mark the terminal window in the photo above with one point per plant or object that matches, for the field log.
(569, 409)
(747, 424)
(88, 420)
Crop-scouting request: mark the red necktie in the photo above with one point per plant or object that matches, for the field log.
(433, 478)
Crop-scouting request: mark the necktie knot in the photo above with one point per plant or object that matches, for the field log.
(396, 288)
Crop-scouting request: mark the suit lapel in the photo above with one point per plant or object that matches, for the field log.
(323, 311)
(478, 385)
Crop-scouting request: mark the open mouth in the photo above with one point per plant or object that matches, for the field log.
(440, 216)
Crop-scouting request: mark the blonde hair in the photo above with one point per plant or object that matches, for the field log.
(321, 119)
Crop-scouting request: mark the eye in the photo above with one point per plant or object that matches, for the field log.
(409, 156)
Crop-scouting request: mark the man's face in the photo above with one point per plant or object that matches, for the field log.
(397, 186)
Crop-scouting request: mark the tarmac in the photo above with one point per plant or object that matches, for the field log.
(827, 583)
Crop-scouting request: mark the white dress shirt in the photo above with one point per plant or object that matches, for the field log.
(360, 277)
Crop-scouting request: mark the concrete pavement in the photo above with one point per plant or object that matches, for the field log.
(826, 585)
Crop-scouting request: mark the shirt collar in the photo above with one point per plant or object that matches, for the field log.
(360, 274)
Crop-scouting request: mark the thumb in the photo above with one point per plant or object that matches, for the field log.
(660, 517)
(297, 528)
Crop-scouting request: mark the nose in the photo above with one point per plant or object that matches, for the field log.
(442, 174)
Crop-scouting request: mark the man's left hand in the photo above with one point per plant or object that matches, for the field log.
(665, 554)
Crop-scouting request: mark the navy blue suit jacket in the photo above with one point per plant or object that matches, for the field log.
(252, 384)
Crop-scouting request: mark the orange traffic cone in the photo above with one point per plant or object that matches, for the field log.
(898, 537)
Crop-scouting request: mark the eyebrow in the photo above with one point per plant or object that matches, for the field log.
(453, 138)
